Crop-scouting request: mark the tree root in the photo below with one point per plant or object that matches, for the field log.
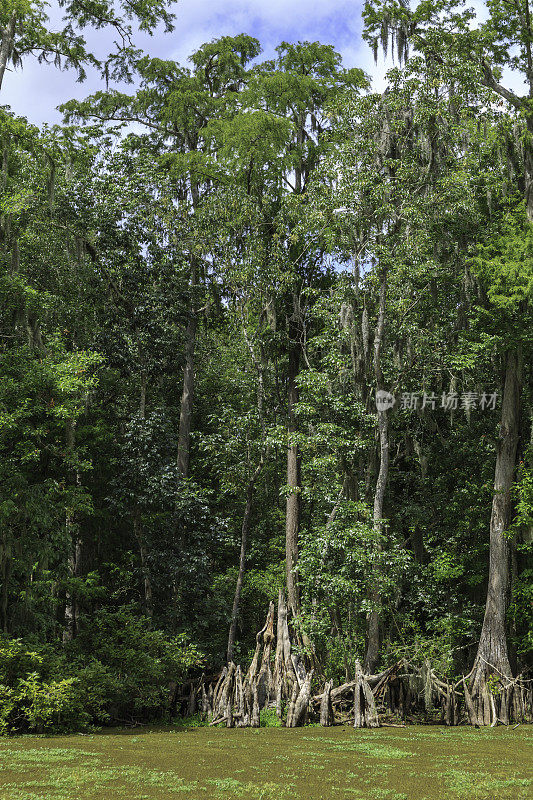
(277, 679)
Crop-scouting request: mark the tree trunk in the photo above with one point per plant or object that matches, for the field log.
(148, 595)
(470, 708)
(242, 562)
(299, 705)
(365, 714)
(71, 605)
(492, 656)
(372, 651)
(292, 519)
(73, 542)
(263, 641)
(285, 675)
(187, 394)
(5, 572)
(264, 677)
(6, 44)
(326, 709)
(137, 523)
(255, 720)
(528, 170)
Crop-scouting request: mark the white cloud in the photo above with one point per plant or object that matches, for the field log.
(37, 90)
(330, 21)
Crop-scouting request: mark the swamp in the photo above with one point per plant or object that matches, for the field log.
(268, 763)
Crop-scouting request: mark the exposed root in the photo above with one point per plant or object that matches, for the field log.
(277, 678)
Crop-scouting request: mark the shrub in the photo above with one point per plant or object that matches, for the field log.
(269, 719)
(29, 699)
(117, 669)
(130, 666)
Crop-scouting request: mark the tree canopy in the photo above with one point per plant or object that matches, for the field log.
(263, 328)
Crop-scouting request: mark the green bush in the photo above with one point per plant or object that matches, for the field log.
(117, 669)
(53, 705)
(31, 700)
(130, 666)
(269, 719)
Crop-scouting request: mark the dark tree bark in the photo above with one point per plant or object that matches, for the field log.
(242, 561)
(292, 518)
(528, 167)
(137, 524)
(187, 394)
(5, 572)
(74, 542)
(6, 44)
(147, 582)
(372, 651)
(492, 656)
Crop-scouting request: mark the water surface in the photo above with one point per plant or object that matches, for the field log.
(313, 763)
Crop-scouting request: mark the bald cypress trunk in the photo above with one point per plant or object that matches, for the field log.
(492, 655)
(6, 44)
(372, 650)
(292, 515)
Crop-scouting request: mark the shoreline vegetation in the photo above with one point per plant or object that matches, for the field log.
(404, 690)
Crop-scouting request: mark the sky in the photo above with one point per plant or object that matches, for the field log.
(36, 90)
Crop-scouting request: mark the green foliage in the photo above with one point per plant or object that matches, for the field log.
(31, 34)
(130, 666)
(505, 262)
(246, 227)
(119, 670)
(269, 719)
(32, 700)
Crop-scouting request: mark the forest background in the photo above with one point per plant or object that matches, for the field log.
(208, 272)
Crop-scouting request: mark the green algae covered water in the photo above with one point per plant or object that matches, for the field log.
(415, 763)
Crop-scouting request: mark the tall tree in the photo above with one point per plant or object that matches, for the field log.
(471, 51)
(175, 106)
(506, 251)
(26, 32)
